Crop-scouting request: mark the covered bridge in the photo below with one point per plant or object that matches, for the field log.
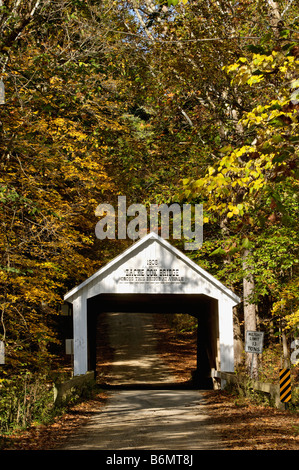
(153, 276)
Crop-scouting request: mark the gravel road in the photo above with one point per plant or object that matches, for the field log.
(145, 411)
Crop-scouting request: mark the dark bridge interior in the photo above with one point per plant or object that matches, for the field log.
(204, 308)
(149, 303)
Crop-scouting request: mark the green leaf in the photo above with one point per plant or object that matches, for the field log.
(246, 243)
(284, 33)
(218, 251)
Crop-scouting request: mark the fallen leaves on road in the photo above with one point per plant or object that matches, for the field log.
(247, 426)
(240, 424)
(177, 350)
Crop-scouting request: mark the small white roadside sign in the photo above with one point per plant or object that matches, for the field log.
(69, 346)
(254, 342)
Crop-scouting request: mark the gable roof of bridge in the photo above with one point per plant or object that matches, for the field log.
(135, 250)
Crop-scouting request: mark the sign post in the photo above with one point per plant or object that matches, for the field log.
(254, 344)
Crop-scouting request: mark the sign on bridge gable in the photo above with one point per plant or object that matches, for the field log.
(152, 265)
(151, 269)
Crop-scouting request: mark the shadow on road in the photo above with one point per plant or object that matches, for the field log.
(149, 386)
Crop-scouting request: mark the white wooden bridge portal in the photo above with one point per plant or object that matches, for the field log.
(153, 276)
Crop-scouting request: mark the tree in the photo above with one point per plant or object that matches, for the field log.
(254, 187)
(60, 108)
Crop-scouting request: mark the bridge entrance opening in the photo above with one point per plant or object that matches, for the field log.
(117, 307)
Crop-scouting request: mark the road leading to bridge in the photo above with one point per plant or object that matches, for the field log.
(147, 412)
(134, 341)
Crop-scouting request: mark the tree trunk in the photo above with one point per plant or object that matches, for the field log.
(250, 315)
(238, 341)
(275, 16)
